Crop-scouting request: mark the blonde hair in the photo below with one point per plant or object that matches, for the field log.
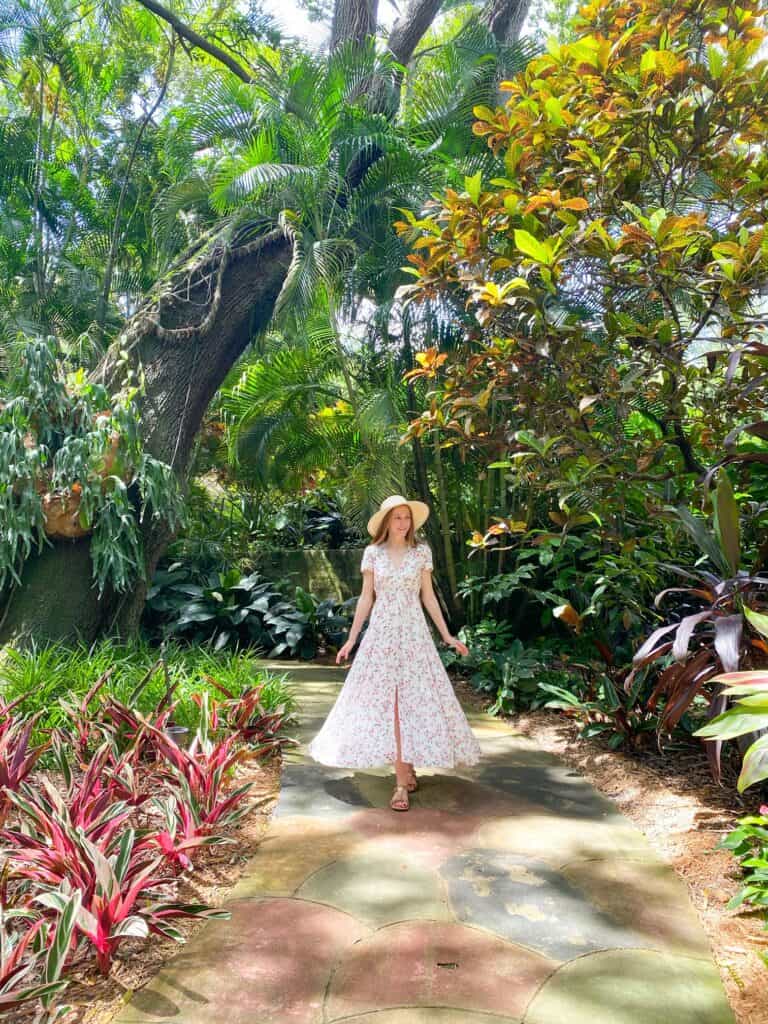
(383, 531)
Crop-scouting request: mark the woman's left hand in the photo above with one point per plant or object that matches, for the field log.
(462, 649)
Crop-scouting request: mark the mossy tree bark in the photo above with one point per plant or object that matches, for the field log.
(185, 338)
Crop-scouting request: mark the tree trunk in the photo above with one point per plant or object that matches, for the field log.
(185, 338)
(505, 19)
(353, 22)
(408, 30)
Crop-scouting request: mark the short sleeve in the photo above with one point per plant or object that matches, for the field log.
(426, 557)
(367, 562)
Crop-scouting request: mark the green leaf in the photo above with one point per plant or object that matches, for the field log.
(532, 247)
(733, 723)
(755, 765)
(473, 185)
(757, 619)
(727, 522)
(554, 109)
(697, 528)
(715, 61)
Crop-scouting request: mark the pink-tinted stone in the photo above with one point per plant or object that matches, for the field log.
(427, 963)
(429, 836)
(268, 965)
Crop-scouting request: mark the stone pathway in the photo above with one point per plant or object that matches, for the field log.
(510, 894)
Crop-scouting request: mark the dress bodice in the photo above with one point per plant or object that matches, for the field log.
(401, 579)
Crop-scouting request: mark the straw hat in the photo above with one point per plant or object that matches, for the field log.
(419, 511)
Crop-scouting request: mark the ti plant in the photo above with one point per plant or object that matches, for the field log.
(720, 635)
(200, 774)
(183, 834)
(749, 714)
(17, 756)
(33, 957)
(120, 901)
(245, 717)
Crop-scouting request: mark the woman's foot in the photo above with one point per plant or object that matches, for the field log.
(399, 801)
(413, 783)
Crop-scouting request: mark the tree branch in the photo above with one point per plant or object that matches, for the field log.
(197, 40)
(409, 29)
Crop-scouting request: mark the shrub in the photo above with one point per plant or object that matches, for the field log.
(227, 609)
(40, 677)
(749, 714)
(748, 842)
(721, 635)
(504, 667)
(69, 453)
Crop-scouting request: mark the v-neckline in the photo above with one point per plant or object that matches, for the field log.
(396, 567)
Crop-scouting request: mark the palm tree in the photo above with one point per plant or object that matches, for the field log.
(301, 180)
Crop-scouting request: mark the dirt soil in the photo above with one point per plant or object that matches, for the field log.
(673, 800)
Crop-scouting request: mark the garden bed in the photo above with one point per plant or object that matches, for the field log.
(683, 813)
(96, 999)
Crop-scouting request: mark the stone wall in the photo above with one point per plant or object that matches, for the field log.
(326, 573)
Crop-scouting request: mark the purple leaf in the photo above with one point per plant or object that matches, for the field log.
(684, 632)
(728, 633)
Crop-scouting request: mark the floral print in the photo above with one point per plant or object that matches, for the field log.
(397, 655)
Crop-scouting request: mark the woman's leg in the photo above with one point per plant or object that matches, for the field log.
(408, 772)
(403, 771)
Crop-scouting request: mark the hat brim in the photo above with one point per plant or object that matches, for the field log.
(419, 513)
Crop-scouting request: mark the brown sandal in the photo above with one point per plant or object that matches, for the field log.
(413, 783)
(400, 802)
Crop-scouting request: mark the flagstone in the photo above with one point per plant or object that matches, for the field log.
(426, 963)
(632, 986)
(510, 893)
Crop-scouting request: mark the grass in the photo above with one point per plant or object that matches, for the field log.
(44, 674)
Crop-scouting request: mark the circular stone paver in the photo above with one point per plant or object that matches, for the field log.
(429, 836)
(554, 787)
(529, 902)
(379, 888)
(424, 963)
(633, 986)
(451, 793)
(427, 1015)
(269, 964)
(293, 850)
(315, 792)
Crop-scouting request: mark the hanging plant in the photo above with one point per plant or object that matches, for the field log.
(72, 465)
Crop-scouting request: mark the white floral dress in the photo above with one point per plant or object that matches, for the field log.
(396, 655)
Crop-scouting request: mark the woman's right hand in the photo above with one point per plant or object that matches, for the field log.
(345, 651)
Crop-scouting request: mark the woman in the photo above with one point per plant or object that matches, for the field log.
(397, 705)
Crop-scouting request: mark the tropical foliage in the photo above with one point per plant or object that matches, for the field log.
(92, 847)
(72, 464)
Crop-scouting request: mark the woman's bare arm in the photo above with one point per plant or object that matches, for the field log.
(430, 602)
(362, 611)
(363, 607)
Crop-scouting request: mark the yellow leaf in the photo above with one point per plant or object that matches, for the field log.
(577, 203)
(568, 614)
